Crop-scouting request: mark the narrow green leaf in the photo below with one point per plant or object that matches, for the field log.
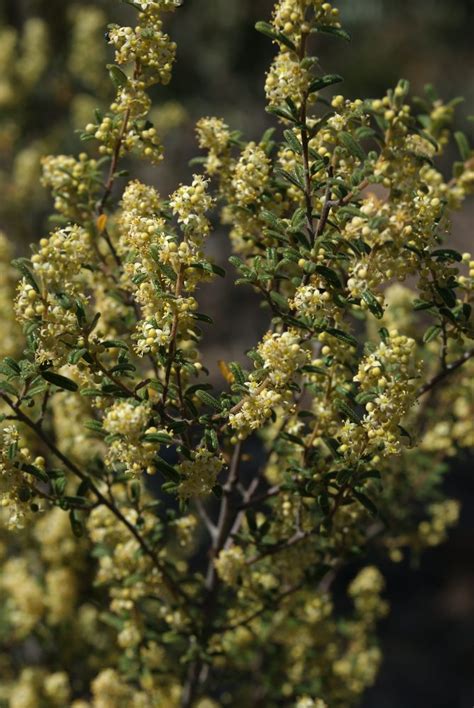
(11, 363)
(431, 333)
(168, 470)
(351, 144)
(366, 502)
(59, 381)
(293, 141)
(448, 295)
(76, 525)
(335, 31)
(208, 400)
(22, 265)
(324, 81)
(328, 274)
(269, 31)
(347, 411)
(373, 304)
(463, 145)
(162, 438)
(446, 254)
(117, 76)
(343, 336)
(76, 355)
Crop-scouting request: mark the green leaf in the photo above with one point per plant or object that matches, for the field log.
(59, 381)
(293, 142)
(446, 254)
(12, 365)
(117, 76)
(95, 425)
(448, 295)
(351, 144)
(279, 300)
(35, 472)
(463, 145)
(269, 31)
(344, 475)
(422, 305)
(335, 31)
(328, 274)
(208, 400)
(366, 502)
(332, 445)
(5, 387)
(76, 355)
(114, 344)
(212, 440)
(162, 438)
(217, 270)
(167, 470)
(405, 433)
(431, 333)
(237, 372)
(282, 112)
(373, 304)
(347, 411)
(342, 336)
(201, 317)
(310, 369)
(291, 178)
(22, 265)
(76, 525)
(135, 490)
(324, 81)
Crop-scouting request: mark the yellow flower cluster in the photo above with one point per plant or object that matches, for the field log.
(22, 59)
(306, 702)
(144, 232)
(16, 489)
(128, 423)
(58, 266)
(443, 515)
(289, 77)
(387, 375)
(199, 473)
(73, 182)
(87, 53)
(147, 55)
(282, 355)
(251, 174)
(190, 204)
(214, 136)
(230, 563)
(12, 337)
(36, 686)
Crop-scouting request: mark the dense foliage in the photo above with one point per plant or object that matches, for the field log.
(166, 543)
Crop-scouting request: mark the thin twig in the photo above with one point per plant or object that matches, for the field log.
(449, 369)
(175, 590)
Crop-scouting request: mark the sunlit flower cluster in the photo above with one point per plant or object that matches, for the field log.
(199, 473)
(282, 355)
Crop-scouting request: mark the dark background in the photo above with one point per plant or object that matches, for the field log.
(428, 639)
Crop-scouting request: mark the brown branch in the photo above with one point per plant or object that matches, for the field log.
(173, 337)
(175, 590)
(109, 185)
(196, 673)
(449, 369)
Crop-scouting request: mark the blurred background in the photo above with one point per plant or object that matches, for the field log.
(52, 76)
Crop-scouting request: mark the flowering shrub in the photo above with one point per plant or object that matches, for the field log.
(164, 543)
